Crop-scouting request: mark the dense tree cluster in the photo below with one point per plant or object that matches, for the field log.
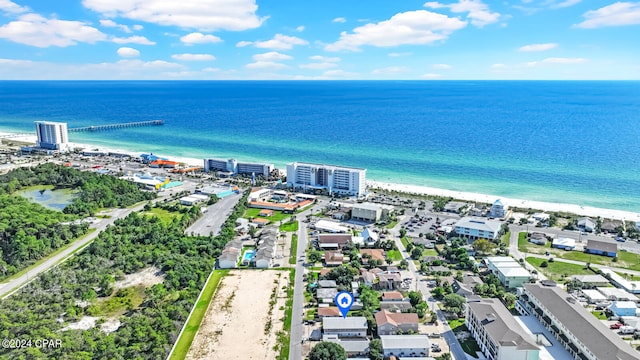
(130, 245)
(95, 190)
(29, 231)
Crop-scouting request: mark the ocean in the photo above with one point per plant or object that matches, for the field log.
(556, 141)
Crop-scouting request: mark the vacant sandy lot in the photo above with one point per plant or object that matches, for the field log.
(236, 325)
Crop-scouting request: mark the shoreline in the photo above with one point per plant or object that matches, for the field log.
(420, 190)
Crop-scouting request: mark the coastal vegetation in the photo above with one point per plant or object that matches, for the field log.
(95, 191)
(60, 300)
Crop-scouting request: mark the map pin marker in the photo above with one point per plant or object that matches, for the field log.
(344, 301)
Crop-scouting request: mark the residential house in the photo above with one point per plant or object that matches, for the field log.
(349, 327)
(405, 345)
(260, 222)
(615, 294)
(591, 280)
(611, 226)
(467, 285)
(333, 258)
(353, 348)
(396, 305)
(392, 296)
(333, 241)
(230, 255)
(266, 212)
(586, 224)
(497, 332)
(624, 308)
(602, 247)
(538, 238)
(369, 236)
(455, 207)
(327, 284)
(376, 254)
(369, 278)
(326, 295)
(578, 331)
(390, 323)
(498, 210)
(389, 281)
(331, 311)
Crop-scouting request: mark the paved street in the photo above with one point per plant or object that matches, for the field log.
(211, 221)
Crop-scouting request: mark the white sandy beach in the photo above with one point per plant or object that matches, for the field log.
(417, 189)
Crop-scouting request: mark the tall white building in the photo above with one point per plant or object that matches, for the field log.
(235, 167)
(334, 179)
(52, 135)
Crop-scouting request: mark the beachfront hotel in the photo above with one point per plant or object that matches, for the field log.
(52, 135)
(477, 228)
(334, 179)
(581, 333)
(232, 167)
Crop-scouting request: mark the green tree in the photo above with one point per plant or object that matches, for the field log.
(325, 350)
(370, 298)
(416, 253)
(314, 256)
(403, 232)
(454, 303)
(375, 350)
(415, 297)
(482, 246)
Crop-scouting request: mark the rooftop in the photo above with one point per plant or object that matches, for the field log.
(404, 341)
(501, 325)
(602, 245)
(340, 323)
(479, 224)
(582, 324)
(386, 317)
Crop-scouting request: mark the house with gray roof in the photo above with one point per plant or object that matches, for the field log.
(405, 345)
(349, 327)
(602, 247)
(497, 332)
(581, 333)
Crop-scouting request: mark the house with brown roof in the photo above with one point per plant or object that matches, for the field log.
(376, 254)
(330, 311)
(260, 222)
(266, 212)
(392, 296)
(333, 258)
(396, 323)
(333, 241)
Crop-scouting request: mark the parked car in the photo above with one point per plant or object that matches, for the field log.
(615, 326)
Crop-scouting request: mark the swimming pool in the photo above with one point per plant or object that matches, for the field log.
(247, 257)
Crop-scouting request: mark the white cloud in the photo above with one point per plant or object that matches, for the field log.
(538, 47)
(266, 65)
(441, 66)
(391, 70)
(211, 69)
(417, 27)
(300, 28)
(271, 56)
(128, 52)
(556, 60)
(498, 66)
(479, 13)
(339, 20)
(193, 57)
(565, 4)
(199, 38)
(10, 7)
(36, 30)
(111, 23)
(318, 65)
(137, 27)
(324, 58)
(136, 39)
(204, 15)
(397, 54)
(124, 69)
(617, 14)
(431, 76)
(279, 42)
(339, 74)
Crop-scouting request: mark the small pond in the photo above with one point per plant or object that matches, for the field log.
(45, 196)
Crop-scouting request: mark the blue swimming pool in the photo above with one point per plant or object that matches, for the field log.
(248, 256)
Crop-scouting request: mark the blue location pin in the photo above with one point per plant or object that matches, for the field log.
(344, 301)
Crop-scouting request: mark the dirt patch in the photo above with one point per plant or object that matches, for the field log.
(85, 323)
(110, 325)
(146, 277)
(244, 317)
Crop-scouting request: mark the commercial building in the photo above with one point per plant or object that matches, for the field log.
(477, 228)
(232, 166)
(405, 345)
(564, 243)
(52, 135)
(509, 271)
(582, 334)
(370, 212)
(498, 334)
(333, 179)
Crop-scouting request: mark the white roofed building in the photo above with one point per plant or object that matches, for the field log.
(477, 228)
(334, 179)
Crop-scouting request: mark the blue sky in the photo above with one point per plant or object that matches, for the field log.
(293, 39)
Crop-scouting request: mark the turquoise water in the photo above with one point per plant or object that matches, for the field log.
(557, 141)
(248, 256)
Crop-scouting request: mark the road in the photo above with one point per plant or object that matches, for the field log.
(454, 346)
(11, 286)
(211, 221)
(297, 309)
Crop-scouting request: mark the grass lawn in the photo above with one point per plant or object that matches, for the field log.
(404, 241)
(558, 270)
(429, 252)
(121, 301)
(293, 250)
(394, 255)
(200, 308)
(470, 346)
(277, 215)
(164, 215)
(289, 226)
(523, 244)
(505, 238)
(392, 224)
(284, 336)
(600, 315)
